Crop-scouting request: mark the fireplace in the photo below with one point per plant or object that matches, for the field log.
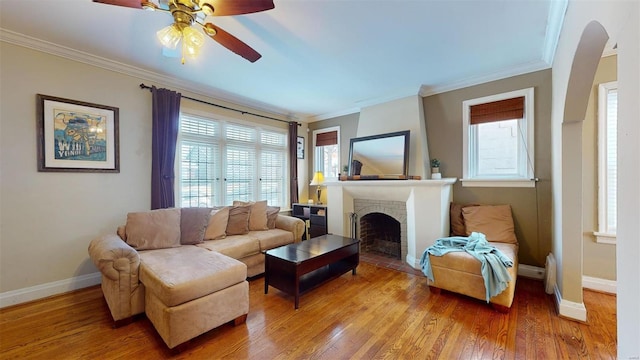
(382, 226)
(420, 206)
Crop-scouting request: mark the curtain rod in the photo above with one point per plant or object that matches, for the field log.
(143, 86)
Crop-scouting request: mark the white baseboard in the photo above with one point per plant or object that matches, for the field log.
(413, 262)
(597, 284)
(570, 309)
(530, 271)
(19, 296)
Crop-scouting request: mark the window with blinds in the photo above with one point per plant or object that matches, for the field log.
(327, 152)
(222, 161)
(607, 161)
(498, 140)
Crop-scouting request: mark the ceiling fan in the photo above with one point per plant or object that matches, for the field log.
(188, 12)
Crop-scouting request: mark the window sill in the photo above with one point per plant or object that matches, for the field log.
(605, 238)
(529, 183)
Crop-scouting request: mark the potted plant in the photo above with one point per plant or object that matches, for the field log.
(435, 169)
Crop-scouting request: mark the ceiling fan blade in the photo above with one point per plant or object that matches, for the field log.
(231, 42)
(126, 3)
(239, 7)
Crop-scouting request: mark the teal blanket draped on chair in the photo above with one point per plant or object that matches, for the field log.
(494, 263)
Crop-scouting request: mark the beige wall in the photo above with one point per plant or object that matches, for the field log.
(599, 260)
(531, 206)
(48, 219)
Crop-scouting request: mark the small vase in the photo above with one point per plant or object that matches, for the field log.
(435, 173)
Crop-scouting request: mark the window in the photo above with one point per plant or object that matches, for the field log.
(498, 144)
(327, 152)
(607, 162)
(221, 161)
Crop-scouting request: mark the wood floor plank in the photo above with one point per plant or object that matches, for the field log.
(378, 313)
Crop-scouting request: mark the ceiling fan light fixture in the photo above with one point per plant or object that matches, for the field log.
(169, 36)
(192, 41)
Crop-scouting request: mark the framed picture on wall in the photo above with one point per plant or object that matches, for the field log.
(76, 136)
(300, 147)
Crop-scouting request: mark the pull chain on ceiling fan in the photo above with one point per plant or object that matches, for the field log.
(186, 13)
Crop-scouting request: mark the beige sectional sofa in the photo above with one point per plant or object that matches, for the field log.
(187, 268)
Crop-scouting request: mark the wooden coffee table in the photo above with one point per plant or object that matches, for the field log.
(298, 268)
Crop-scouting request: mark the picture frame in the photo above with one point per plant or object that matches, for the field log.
(300, 147)
(77, 136)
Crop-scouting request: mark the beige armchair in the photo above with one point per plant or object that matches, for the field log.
(460, 272)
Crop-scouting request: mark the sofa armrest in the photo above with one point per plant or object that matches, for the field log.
(119, 264)
(292, 224)
(114, 257)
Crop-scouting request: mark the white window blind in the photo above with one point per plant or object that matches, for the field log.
(222, 161)
(607, 161)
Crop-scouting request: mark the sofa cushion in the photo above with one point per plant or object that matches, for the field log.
(217, 227)
(494, 221)
(238, 223)
(257, 215)
(235, 246)
(182, 274)
(465, 262)
(272, 216)
(272, 238)
(193, 222)
(156, 229)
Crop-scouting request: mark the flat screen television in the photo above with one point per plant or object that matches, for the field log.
(384, 156)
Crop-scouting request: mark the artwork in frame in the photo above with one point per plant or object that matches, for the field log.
(300, 148)
(76, 136)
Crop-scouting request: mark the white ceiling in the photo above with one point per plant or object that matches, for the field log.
(320, 58)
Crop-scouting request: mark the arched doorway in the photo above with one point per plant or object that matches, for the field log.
(583, 70)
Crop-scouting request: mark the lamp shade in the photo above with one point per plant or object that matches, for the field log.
(169, 36)
(192, 41)
(318, 178)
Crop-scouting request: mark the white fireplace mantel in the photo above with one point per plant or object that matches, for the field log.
(427, 208)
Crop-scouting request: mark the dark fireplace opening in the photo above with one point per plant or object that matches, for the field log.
(380, 234)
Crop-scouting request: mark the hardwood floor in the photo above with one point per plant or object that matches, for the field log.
(378, 313)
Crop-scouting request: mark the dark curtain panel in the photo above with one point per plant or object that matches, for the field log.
(293, 167)
(166, 118)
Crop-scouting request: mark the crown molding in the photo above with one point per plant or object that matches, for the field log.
(557, 11)
(18, 39)
(526, 68)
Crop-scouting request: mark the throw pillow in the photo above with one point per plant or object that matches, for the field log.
(238, 223)
(258, 214)
(217, 224)
(272, 215)
(456, 221)
(155, 229)
(494, 221)
(193, 222)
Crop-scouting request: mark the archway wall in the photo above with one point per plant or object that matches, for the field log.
(620, 21)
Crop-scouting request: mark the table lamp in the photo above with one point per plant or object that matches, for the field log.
(317, 181)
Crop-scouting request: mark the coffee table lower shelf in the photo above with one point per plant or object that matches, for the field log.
(298, 268)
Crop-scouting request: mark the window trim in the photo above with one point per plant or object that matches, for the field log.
(315, 157)
(468, 180)
(602, 235)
